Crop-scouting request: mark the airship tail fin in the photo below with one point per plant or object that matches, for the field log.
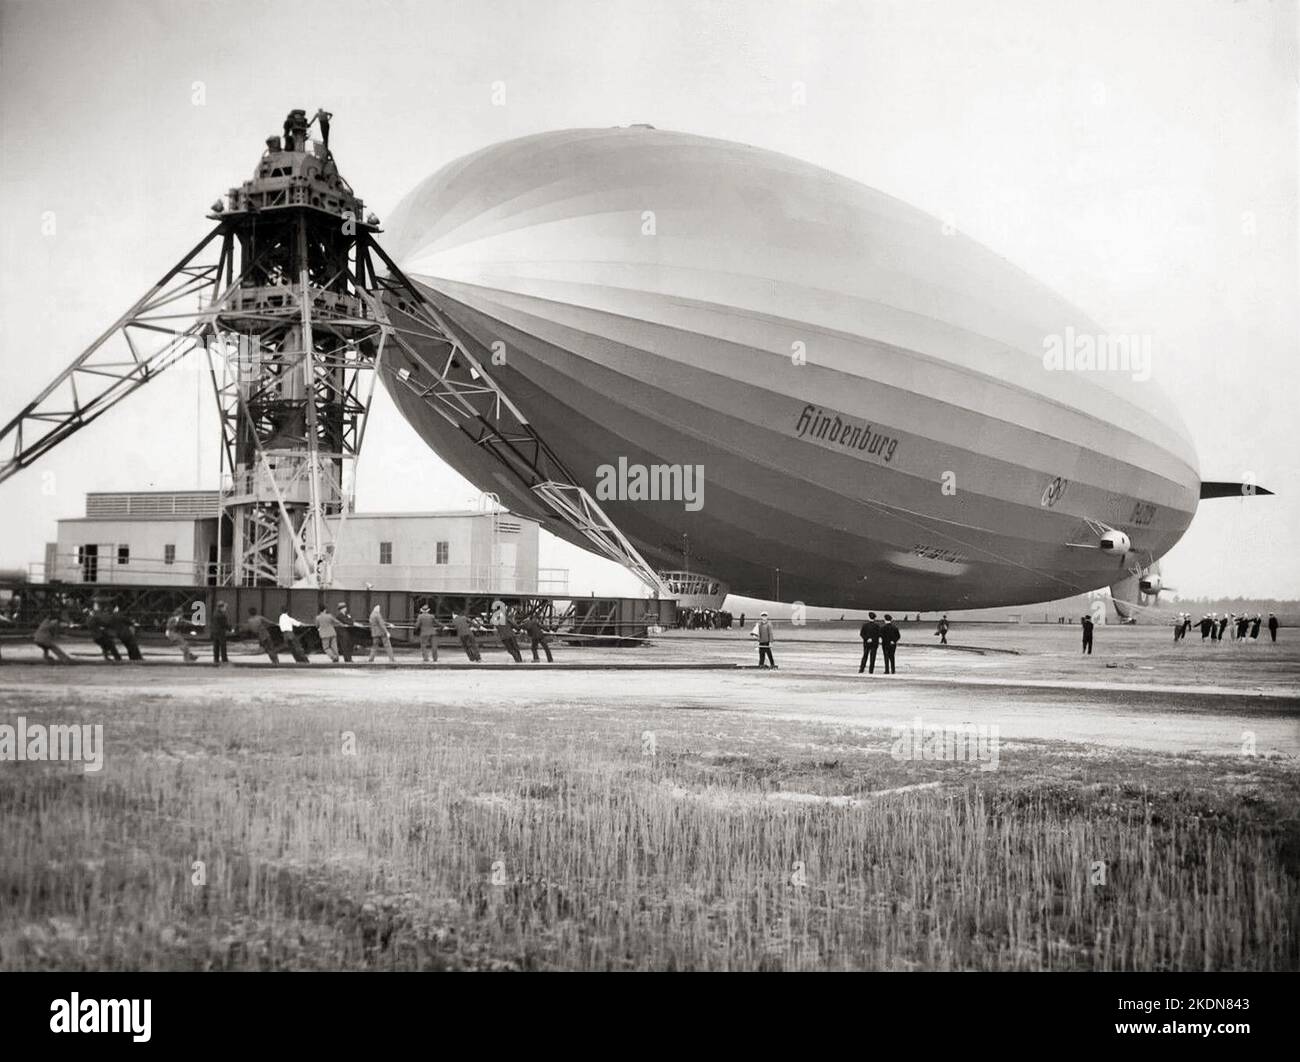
(1222, 488)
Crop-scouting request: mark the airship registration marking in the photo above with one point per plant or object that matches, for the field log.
(1054, 492)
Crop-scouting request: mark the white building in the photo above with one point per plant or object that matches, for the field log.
(487, 552)
(172, 538)
(152, 538)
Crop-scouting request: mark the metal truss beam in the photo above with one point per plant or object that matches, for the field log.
(456, 385)
(123, 359)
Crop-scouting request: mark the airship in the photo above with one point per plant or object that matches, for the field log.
(792, 383)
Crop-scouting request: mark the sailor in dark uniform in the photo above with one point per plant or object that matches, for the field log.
(869, 632)
(889, 636)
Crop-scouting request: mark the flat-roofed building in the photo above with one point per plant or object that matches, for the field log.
(486, 552)
(151, 538)
(172, 538)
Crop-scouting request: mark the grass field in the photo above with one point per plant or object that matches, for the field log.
(367, 831)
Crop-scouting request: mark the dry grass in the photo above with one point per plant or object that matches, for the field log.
(384, 859)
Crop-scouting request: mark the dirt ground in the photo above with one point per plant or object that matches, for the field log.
(1138, 691)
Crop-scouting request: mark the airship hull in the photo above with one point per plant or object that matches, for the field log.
(856, 397)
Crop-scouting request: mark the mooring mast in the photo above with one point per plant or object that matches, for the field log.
(296, 323)
(295, 393)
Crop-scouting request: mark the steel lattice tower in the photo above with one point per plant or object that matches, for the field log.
(293, 397)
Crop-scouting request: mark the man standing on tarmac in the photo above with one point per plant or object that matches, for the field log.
(538, 635)
(326, 629)
(465, 633)
(97, 628)
(177, 636)
(343, 628)
(44, 637)
(889, 636)
(1272, 626)
(288, 626)
(763, 632)
(220, 631)
(1087, 634)
(426, 629)
(124, 629)
(869, 632)
(505, 630)
(942, 631)
(260, 627)
(379, 635)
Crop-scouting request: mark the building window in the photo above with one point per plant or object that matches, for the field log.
(385, 553)
(169, 553)
(88, 559)
(123, 554)
(440, 552)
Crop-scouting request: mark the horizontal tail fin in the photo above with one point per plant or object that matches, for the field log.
(1222, 488)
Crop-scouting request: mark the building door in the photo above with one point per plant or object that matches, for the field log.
(88, 560)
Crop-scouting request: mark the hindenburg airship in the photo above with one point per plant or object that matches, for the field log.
(766, 367)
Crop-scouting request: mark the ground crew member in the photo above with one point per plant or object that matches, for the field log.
(288, 625)
(1087, 634)
(379, 635)
(505, 631)
(426, 629)
(889, 636)
(97, 628)
(124, 629)
(44, 637)
(260, 627)
(465, 632)
(538, 635)
(344, 631)
(763, 632)
(869, 632)
(1243, 626)
(1272, 625)
(219, 628)
(942, 631)
(1223, 626)
(326, 628)
(1206, 624)
(176, 636)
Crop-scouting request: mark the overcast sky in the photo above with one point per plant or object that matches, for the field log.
(1141, 158)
